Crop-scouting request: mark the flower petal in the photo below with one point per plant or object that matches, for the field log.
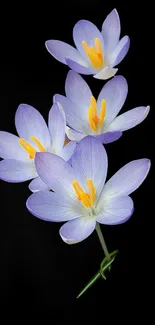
(120, 51)
(15, 171)
(78, 91)
(78, 67)
(68, 150)
(111, 31)
(74, 114)
(50, 207)
(61, 50)
(129, 119)
(115, 210)
(89, 161)
(114, 92)
(105, 73)
(128, 178)
(29, 122)
(37, 185)
(10, 147)
(109, 137)
(57, 126)
(56, 173)
(77, 230)
(74, 135)
(86, 31)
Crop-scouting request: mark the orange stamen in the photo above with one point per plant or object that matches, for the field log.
(95, 53)
(87, 199)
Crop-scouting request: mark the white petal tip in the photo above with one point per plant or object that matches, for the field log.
(67, 241)
(47, 45)
(106, 75)
(149, 162)
(116, 12)
(146, 111)
(147, 108)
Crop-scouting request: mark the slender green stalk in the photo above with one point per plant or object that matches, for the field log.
(89, 284)
(104, 266)
(102, 241)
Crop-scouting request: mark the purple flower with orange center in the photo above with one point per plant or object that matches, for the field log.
(34, 136)
(97, 52)
(80, 195)
(87, 116)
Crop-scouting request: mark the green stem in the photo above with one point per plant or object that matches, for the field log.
(102, 241)
(89, 284)
(98, 274)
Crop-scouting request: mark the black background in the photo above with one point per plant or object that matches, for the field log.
(38, 271)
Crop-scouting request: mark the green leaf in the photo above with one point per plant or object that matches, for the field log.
(103, 267)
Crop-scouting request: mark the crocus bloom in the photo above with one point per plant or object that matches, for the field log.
(86, 116)
(97, 52)
(34, 136)
(81, 196)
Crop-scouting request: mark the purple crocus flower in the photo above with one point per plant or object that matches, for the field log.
(97, 52)
(34, 136)
(86, 116)
(81, 196)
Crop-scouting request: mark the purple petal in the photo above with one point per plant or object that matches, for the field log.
(15, 171)
(61, 50)
(74, 135)
(37, 185)
(29, 122)
(77, 230)
(114, 92)
(50, 207)
(57, 126)
(78, 67)
(78, 91)
(129, 119)
(109, 137)
(56, 173)
(68, 150)
(105, 73)
(128, 178)
(120, 51)
(74, 114)
(111, 31)
(11, 148)
(115, 210)
(89, 161)
(86, 31)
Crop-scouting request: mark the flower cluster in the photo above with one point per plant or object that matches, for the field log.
(66, 160)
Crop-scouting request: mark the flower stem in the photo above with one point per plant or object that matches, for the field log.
(102, 241)
(103, 267)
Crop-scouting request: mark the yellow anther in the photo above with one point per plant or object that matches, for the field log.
(66, 141)
(37, 142)
(28, 148)
(95, 53)
(102, 112)
(92, 114)
(95, 121)
(87, 199)
(92, 192)
(77, 188)
(84, 197)
(94, 106)
(90, 118)
(98, 47)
